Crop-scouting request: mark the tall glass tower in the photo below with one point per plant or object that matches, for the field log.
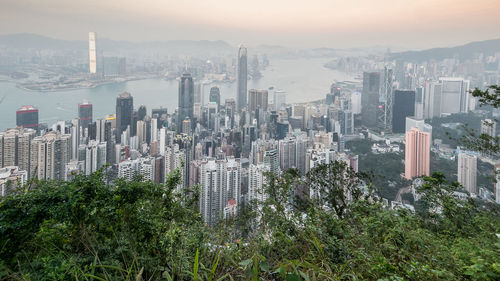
(241, 96)
(124, 108)
(186, 99)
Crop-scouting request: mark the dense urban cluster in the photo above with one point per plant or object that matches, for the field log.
(230, 147)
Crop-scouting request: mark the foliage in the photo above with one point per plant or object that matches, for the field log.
(88, 230)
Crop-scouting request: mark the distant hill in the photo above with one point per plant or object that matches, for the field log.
(467, 51)
(173, 47)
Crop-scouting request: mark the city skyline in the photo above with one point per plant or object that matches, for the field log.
(399, 24)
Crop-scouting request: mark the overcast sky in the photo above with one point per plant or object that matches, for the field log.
(413, 24)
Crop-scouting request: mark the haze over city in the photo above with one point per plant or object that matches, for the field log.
(237, 140)
(402, 24)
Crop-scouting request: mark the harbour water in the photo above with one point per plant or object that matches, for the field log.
(303, 79)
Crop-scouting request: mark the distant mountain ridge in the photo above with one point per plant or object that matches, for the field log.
(467, 51)
(177, 47)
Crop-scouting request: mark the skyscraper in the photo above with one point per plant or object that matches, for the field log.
(257, 99)
(279, 99)
(92, 53)
(186, 99)
(215, 95)
(241, 96)
(467, 171)
(370, 98)
(27, 117)
(388, 98)
(403, 106)
(85, 114)
(454, 95)
(417, 153)
(124, 108)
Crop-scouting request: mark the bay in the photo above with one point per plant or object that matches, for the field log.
(304, 80)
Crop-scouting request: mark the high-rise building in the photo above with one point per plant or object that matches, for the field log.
(95, 156)
(11, 178)
(271, 160)
(85, 114)
(220, 183)
(412, 122)
(124, 109)
(186, 99)
(454, 95)
(403, 106)
(388, 98)
(419, 102)
(488, 127)
(257, 99)
(27, 117)
(370, 99)
(279, 99)
(346, 121)
(49, 155)
(467, 171)
(497, 184)
(15, 147)
(256, 182)
(241, 96)
(141, 132)
(154, 130)
(92, 53)
(417, 153)
(356, 103)
(215, 95)
(141, 112)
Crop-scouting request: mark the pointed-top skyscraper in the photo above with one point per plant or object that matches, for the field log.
(241, 96)
(186, 99)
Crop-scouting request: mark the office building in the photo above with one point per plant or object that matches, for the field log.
(454, 95)
(186, 99)
(356, 102)
(27, 117)
(215, 95)
(417, 153)
(85, 114)
(241, 96)
(279, 99)
(403, 106)
(467, 171)
(370, 99)
(92, 53)
(124, 109)
(388, 99)
(257, 99)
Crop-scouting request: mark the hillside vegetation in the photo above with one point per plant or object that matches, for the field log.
(87, 230)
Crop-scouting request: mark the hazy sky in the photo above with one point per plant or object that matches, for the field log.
(298, 23)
